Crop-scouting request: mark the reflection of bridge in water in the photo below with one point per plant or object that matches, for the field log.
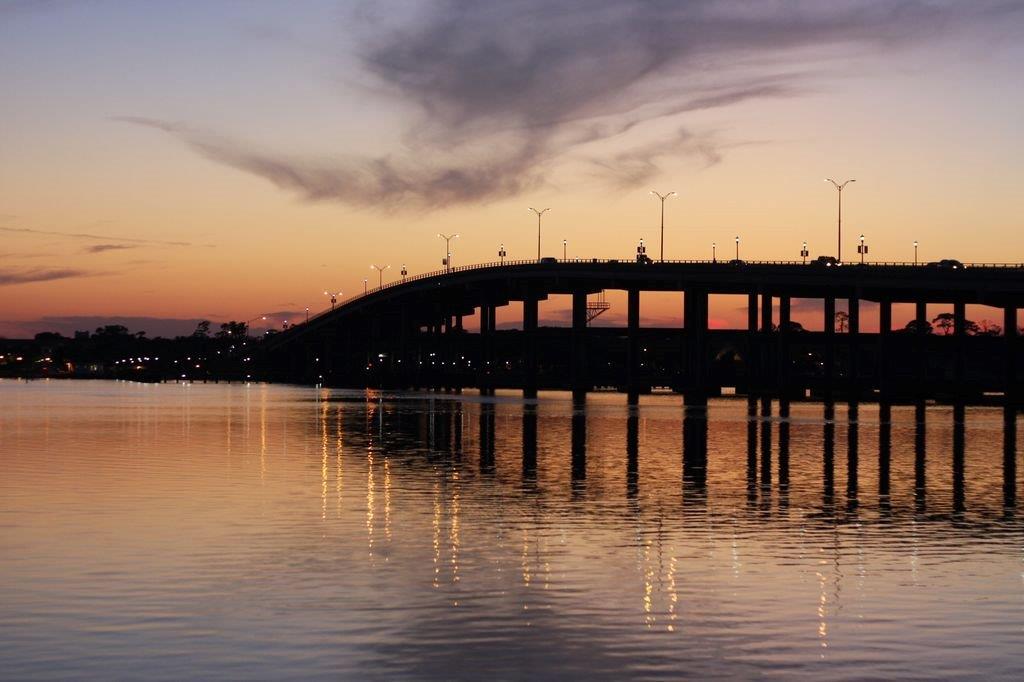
(447, 429)
(409, 334)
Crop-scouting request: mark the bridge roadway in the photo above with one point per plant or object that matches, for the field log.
(409, 333)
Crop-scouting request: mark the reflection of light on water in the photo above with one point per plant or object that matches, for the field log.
(454, 528)
(822, 605)
(437, 533)
(337, 458)
(673, 595)
(263, 435)
(648, 584)
(323, 462)
(387, 498)
(370, 494)
(526, 559)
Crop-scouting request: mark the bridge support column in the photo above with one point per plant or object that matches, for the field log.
(1010, 334)
(578, 360)
(829, 327)
(959, 332)
(921, 322)
(486, 381)
(753, 366)
(882, 348)
(530, 348)
(853, 347)
(768, 367)
(784, 359)
(633, 346)
(695, 322)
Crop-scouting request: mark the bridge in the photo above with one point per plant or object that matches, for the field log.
(409, 333)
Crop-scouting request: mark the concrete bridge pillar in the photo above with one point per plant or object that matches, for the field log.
(882, 348)
(633, 346)
(921, 320)
(753, 366)
(695, 323)
(829, 327)
(853, 347)
(1010, 335)
(785, 361)
(530, 347)
(768, 367)
(578, 359)
(959, 333)
(487, 318)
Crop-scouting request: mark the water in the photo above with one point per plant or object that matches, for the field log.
(225, 532)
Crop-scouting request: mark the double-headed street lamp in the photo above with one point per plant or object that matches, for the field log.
(501, 253)
(539, 214)
(804, 253)
(839, 221)
(335, 295)
(662, 197)
(380, 273)
(862, 249)
(447, 260)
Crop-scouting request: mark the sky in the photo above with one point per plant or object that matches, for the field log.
(165, 162)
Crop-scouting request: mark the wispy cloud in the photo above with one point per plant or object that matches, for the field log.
(505, 91)
(101, 237)
(102, 248)
(25, 276)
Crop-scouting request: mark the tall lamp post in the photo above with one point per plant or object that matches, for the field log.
(915, 252)
(539, 214)
(662, 197)
(737, 247)
(501, 253)
(307, 314)
(335, 295)
(380, 273)
(364, 286)
(565, 247)
(862, 249)
(804, 253)
(447, 262)
(714, 252)
(839, 221)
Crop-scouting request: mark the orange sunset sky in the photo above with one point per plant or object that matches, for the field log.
(161, 164)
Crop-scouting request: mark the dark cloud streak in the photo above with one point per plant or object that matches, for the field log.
(506, 90)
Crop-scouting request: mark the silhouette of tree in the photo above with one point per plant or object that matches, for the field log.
(945, 322)
(989, 328)
(232, 329)
(913, 327)
(202, 329)
(842, 321)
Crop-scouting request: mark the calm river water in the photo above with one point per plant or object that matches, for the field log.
(224, 532)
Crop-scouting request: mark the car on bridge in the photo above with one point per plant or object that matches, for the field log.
(548, 260)
(825, 261)
(947, 264)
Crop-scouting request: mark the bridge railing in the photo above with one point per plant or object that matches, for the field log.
(598, 261)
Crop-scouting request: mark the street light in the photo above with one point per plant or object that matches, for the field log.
(565, 246)
(641, 252)
(307, 314)
(364, 286)
(502, 253)
(915, 252)
(714, 252)
(862, 249)
(662, 197)
(804, 253)
(405, 272)
(335, 295)
(737, 247)
(447, 261)
(380, 273)
(839, 221)
(539, 214)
